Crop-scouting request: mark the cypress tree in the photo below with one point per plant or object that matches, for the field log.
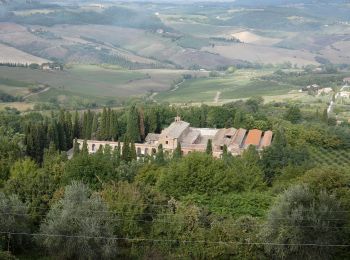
(76, 126)
(177, 152)
(84, 126)
(133, 155)
(203, 116)
(103, 128)
(224, 151)
(153, 121)
(68, 127)
(61, 137)
(116, 128)
(132, 127)
(126, 154)
(160, 155)
(237, 122)
(142, 124)
(107, 151)
(76, 149)
(110, 124)
(94, 127)
(116, 156)
(209, 149)
(89, 124)
(52, 135)
(84, 149)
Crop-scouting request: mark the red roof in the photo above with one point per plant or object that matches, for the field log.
(253, 138)
(266, 140)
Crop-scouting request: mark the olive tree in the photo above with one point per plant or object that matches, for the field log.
(78, 226)
(302, 224)
(13, 220)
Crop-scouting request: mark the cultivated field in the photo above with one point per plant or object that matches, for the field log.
(20, 106)
(330, 157)
(88, 82)
(13, 55)
(251, 37)
(242, 84)
(263, 54)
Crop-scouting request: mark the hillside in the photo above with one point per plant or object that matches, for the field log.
(175, 36)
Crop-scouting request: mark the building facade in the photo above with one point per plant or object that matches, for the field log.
(194, 139)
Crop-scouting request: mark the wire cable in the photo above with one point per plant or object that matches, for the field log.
(174, 240)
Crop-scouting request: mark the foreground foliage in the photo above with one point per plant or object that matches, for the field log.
(260, 205)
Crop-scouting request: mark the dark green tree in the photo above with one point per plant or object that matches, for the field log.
(293, 114)
(133, 154)
(126, 151)
(177, 154)
(132, 127)
(160, 159)
(238, 119)
(209, 149)
(76, 126)
(76, 149)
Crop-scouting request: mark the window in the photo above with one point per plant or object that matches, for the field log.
(93, 147)
(166, 142)
(138, 151)
(146, 151)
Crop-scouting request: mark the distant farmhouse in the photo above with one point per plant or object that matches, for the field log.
(324, 91)
(313, 87)
(194, 140)
(51, 66)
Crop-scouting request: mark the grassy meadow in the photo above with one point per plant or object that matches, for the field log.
(241, 84)
(81, 84)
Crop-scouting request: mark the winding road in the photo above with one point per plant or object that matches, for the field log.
(217, 97)
(35, 93)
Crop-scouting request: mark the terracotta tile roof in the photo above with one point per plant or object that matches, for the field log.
(266, 140)
(253, 138)
(239, 137)
(175, 129)
(224, 136)
(191, 137)
(152, 138)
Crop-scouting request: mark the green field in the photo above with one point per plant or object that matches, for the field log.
(330, 157)
(92, 80)
(81, 84)
(241, 84)
(14, 87)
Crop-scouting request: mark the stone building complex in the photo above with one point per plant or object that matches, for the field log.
(195, 139)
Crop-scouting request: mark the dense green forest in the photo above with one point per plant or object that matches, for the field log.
(279, 204)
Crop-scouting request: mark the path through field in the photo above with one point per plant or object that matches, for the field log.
(151, 97)
(217, 97)
(41, 91)
(178, 85)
